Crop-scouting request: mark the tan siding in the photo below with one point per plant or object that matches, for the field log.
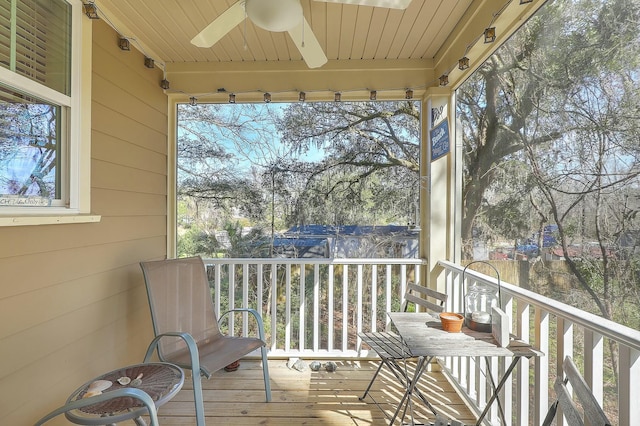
(72, 299)
(44, 245)
(117, 203)
(116, 176)
(127, 130)
(110, 148)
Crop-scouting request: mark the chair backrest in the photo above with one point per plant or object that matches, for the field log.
(423, 296)
(180, 300)
(590, 407)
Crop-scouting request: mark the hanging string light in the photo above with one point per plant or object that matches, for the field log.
(490, 35)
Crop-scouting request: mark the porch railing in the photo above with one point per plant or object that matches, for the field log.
(314, 308)
(558, 330)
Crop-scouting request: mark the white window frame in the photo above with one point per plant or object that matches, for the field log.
(76, 116)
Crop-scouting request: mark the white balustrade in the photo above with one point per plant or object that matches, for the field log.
(558, 330)
(314, 308)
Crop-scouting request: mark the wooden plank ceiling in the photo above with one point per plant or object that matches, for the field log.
(368, 48)
(345, 32)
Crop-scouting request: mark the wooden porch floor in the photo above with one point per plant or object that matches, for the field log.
(309, 398)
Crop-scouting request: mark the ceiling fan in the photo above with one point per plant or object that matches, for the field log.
(278, 16)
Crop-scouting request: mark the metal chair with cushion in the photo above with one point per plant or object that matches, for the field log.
(186, 325)
(390, 347)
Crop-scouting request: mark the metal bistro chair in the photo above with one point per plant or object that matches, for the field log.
(186, 326)
(590, 407)
(390, 347)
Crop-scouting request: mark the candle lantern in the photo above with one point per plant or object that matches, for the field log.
(479, 301)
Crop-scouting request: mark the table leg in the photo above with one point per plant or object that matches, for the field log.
(411, 388)
(496, 390)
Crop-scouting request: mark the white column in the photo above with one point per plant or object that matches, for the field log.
(437, 183)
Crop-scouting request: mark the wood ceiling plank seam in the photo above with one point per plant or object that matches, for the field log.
(239, 45)
(333, 30)
(197, 15)
(149, 25)
(265, 46)
(278, 49)
(254, 51)
(378, 21)
(362, 30)
(186, 28)
(388, 33)
(431, 45)
(172, 50)
(232, 45)
(408, 20)
(145, 22)
(421, 27)
(347, 31)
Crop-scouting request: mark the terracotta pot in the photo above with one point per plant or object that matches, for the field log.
(451, 322)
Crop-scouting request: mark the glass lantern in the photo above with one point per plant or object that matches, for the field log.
(478, 302)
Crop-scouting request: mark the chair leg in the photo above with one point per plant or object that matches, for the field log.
(195, 369)
(366, 392)
(197, 395)
(265, 373)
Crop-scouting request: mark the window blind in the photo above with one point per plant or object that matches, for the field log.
(35, 41)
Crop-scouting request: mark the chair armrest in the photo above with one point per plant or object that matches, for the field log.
(119, 393)
(253, 313)
(191, 346)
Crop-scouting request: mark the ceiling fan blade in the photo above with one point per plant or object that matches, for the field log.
(308, 45)
(220, 26)
(391, 4)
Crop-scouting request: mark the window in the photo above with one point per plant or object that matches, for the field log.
(44, 160)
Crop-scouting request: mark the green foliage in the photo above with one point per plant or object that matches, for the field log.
(197, 242)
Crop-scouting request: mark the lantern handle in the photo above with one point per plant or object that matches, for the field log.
(464, 271)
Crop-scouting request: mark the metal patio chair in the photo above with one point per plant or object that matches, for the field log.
(390, 347)
(590, 407)
(186, 325)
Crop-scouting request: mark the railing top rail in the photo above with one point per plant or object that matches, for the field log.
(605, 327)
(314, 261)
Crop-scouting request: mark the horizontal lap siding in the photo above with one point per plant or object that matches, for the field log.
(72, 298)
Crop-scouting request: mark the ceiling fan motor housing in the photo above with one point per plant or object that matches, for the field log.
(274, 15)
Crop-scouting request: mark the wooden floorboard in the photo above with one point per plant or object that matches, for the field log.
(310, 398)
